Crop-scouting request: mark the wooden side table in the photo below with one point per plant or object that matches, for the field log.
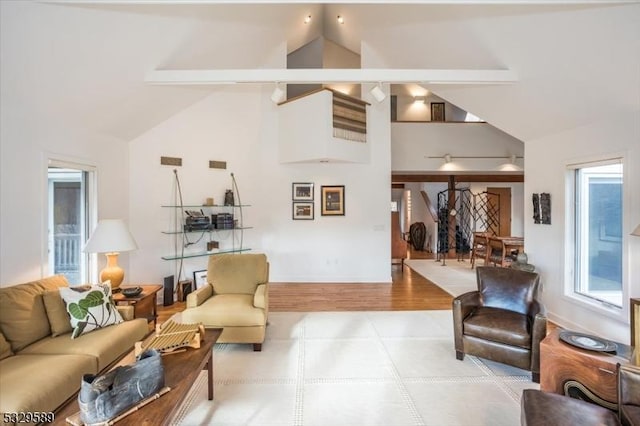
(144, 304)
(561, 362)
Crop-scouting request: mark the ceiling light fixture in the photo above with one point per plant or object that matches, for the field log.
(307, 19)
(447, 158)
(378, 93)
(278, 94)
(340, 19)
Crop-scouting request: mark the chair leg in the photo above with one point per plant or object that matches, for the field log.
(535, 377)
(257, 347)
(459, 355)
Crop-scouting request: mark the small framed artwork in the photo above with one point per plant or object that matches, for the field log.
(437, 111)
(332, 200)
(200, 278)
(302, 192)
(303, 210)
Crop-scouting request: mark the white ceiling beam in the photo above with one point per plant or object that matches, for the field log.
(325, 75)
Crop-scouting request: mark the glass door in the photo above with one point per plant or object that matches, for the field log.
(68, 222)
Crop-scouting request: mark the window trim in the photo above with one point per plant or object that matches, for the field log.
(569, 293)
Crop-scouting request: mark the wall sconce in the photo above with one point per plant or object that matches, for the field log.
(447, 158)
(377, 93)
(278, 94)
(636, 231)
(307, 19)
(340, 19)
(419, 99)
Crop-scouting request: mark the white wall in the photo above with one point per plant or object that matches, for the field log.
(240, 125)
(413, 143)
(546, 244)
(31, 131)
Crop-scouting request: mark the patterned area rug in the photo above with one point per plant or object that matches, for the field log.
(356, 368)
(455, 277)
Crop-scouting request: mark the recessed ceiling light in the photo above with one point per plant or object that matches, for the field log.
(307, 19)
(340, 19)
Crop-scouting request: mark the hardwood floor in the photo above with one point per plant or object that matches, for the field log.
(408, 291)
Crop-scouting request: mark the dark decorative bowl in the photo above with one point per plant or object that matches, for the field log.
(131, 291)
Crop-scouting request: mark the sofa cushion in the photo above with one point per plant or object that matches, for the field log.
(5, 348)
(41, 383)
(499, 325)
(237, 273)
(57, 313)
(23, 318)
(90, 308)
(226, 310)
(104, 345)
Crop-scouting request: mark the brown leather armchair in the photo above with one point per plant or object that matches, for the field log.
(544, 408)
(502, 320)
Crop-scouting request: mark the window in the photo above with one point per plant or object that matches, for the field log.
(598, 252)
(69, 195)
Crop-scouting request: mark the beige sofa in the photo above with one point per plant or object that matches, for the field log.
(236, 298)
(40, 365)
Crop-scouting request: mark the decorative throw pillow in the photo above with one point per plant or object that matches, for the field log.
(56, 312)
(90, 307)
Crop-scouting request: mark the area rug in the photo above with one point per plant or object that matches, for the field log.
(454, 277)
(356, 368)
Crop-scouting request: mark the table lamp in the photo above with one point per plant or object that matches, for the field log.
(111, 237)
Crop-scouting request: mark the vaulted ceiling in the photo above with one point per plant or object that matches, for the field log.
(86, 62)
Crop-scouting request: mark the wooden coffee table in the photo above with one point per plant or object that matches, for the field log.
(180, 371)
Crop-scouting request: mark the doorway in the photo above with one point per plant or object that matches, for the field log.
(68, 219)
(502, 198)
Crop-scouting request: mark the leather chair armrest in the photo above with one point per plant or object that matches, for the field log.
(535, 309)
(538, 332)
(197, 298)
(126, 312)
(261, 296)
(462, 306)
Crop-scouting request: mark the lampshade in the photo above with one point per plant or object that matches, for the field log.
(111, 235)
(636, 231)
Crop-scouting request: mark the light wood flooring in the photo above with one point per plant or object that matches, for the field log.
(408, 291)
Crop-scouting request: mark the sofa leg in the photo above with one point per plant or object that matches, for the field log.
(535, 377)
(257, 347)
(459, 355)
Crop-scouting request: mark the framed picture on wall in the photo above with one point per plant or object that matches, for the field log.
(437, 111)
(200, 278)
(303, 210)
(302, 192)
(332, 200)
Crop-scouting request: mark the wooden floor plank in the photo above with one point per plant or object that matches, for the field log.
(407, 291)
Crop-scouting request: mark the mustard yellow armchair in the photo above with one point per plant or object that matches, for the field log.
(235, 299)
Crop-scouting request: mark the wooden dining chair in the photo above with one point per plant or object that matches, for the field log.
(497, 253)
(479, 247)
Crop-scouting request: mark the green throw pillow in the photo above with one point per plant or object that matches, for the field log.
(90, 307)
